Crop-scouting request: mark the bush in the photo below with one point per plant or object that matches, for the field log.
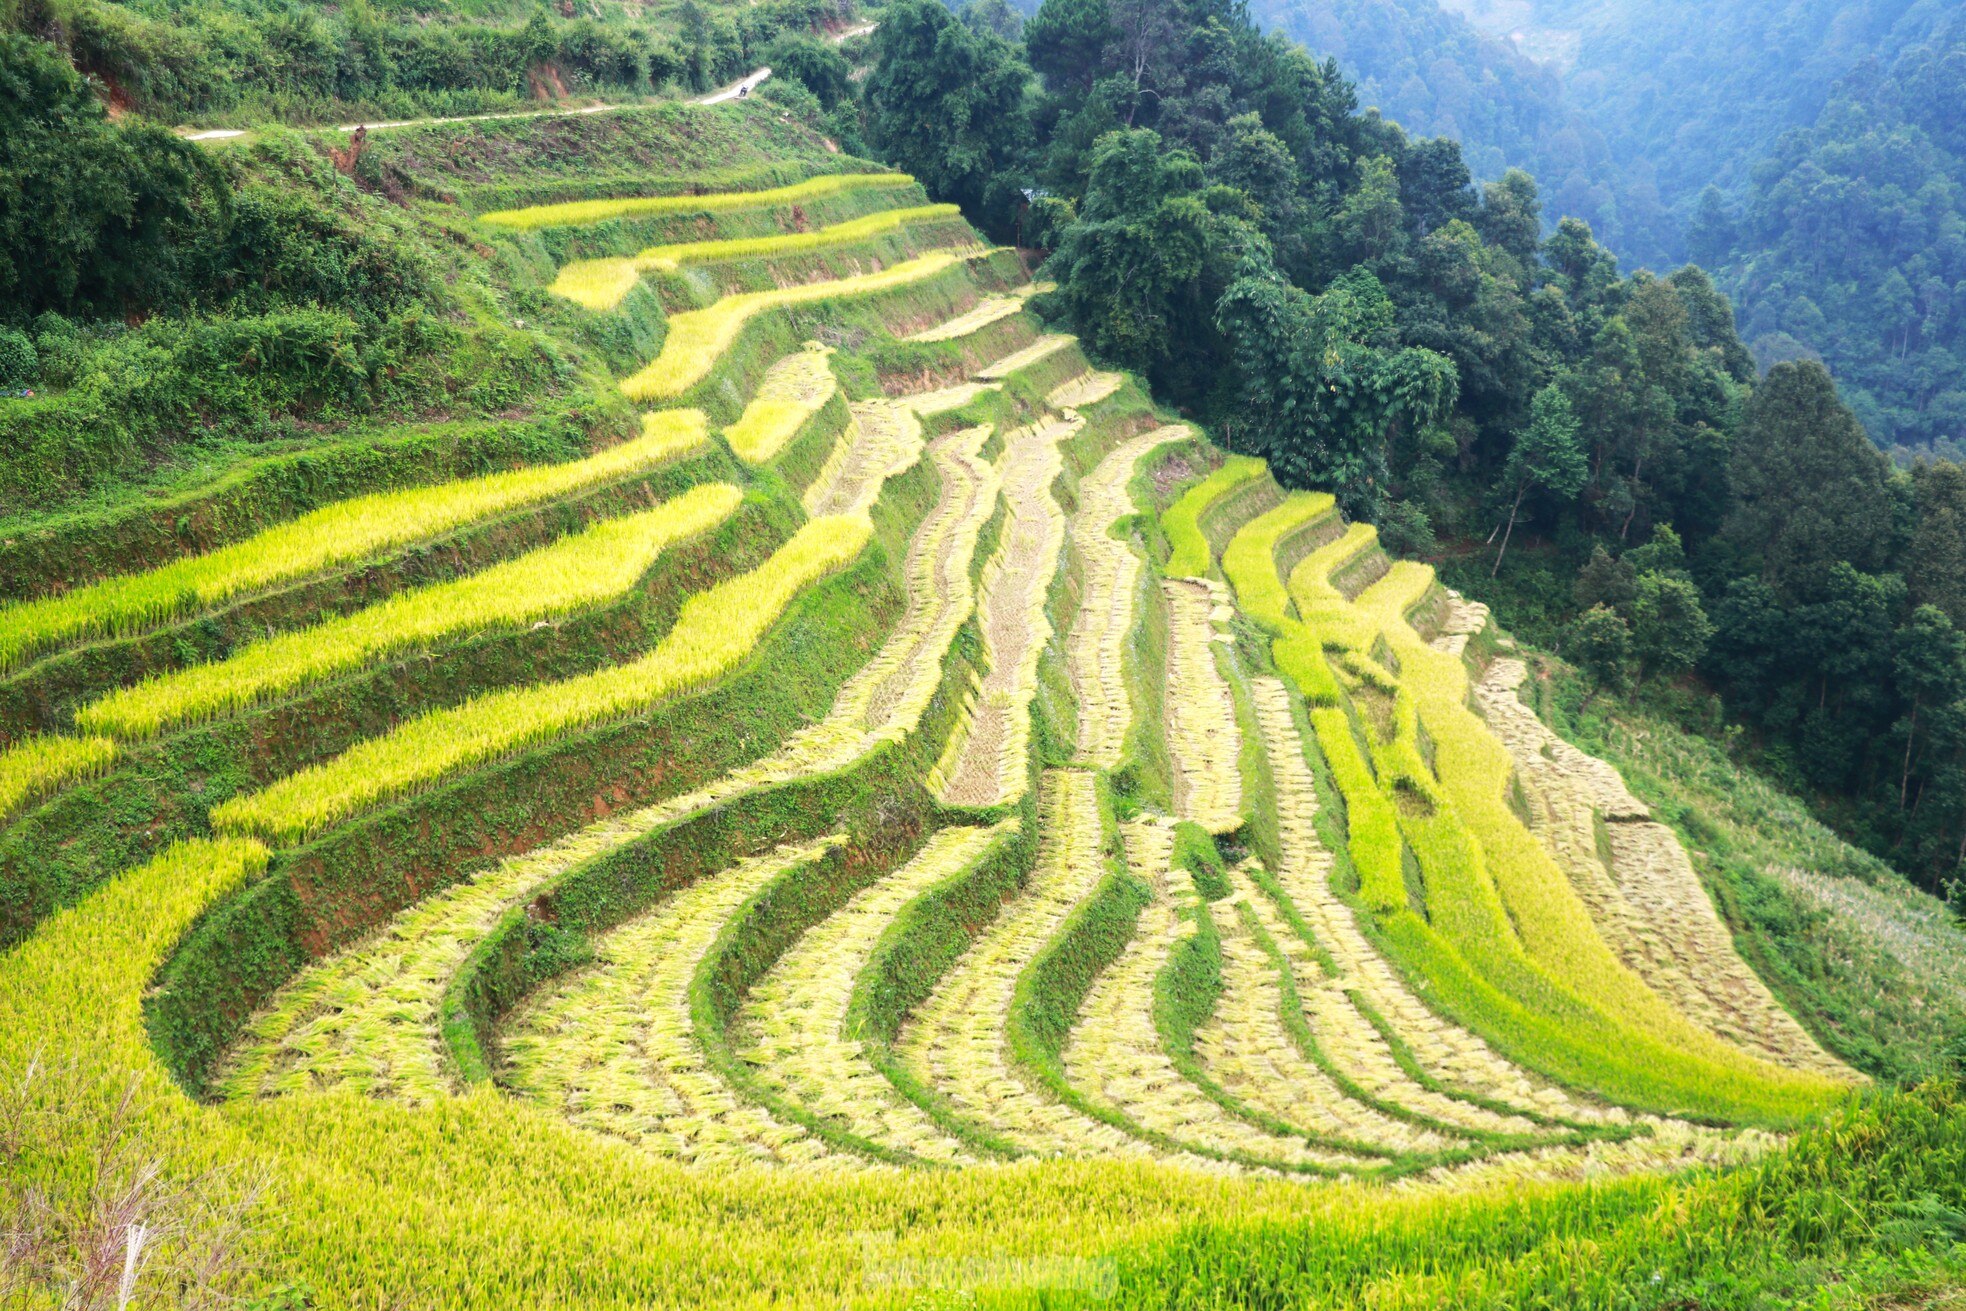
(20, 364)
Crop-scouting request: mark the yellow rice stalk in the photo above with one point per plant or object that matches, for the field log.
(882, 440)
(1045, 346)
(366, 1019)
(574, 213)
(1114, 1054)
(983, 763)
(600, 284)
(1647, 899)
(1450, 1054)
(1554, 928)
(793, 390)
(797, 1012)
(1085, 391)
(947, 398)
(956, 1042)
(597, 284)
(335, 534)
(1096, 646)
(575, 573)
(979, 316)
(39, 765)
(1204, 741)
(698, 338)
(712, 635)
(1245, 1047)
(613, 1048)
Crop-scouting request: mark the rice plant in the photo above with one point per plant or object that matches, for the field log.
(1639, 885)
(1203, 738)
(1096, 645)
(882, 440)
(1517, 919)
(613, 1047)
(1044, 347)
(575, 213)
(988, 310)
(1085, 391)
(955, 1042)
(983, 763)
(579, 571)
(38, 765)
(367, 1018)
(333, 535)
(1189, 555)
(793, 390)
(600, 284)
(796, 1014)
(1249, 1048)
(1115, 1053)
(714, 632)
(698, 338)
(1454, 1057)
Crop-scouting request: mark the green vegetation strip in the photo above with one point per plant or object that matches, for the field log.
(576, 212)
(581, 570)
(334, 534)
(1188, 553)
(714, 632)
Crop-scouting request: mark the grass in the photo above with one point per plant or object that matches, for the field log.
(581, 570)
(580, 212)
(698, 338)
(333, 535)
(714, 632)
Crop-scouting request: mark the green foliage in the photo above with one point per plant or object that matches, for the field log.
(20, 363)
(1601, 644)
(817, 65)
(1669, 628)
(95, 216)
(942, 103)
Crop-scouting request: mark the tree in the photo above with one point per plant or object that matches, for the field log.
(1669, 626)
(96, 217)
(945, 105)
(1931, 670)
(994, 17)
(1151, 248)
(818, 65)
(1935, 566)
(1605, 580)
(1662, 554)
(1545, 456)
(1601, 644)
(1322, 381)
(1809, 486)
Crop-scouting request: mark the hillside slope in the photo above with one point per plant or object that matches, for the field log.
(880, 796)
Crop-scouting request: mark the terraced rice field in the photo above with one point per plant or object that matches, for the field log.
(984, 764)
(848, 868)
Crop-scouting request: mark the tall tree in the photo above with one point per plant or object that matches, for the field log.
(943, 103)
(1545, 457)
(1810, 488)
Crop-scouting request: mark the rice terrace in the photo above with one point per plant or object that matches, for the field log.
(680, 735)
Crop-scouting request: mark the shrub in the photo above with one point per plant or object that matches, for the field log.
(20, 364)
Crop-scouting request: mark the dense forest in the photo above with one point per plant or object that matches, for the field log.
(1850, 246)
(1735, 135)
